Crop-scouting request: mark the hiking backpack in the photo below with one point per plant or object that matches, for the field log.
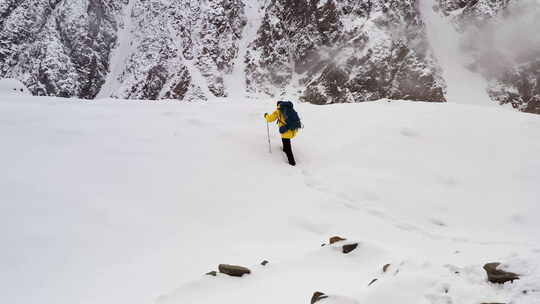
(292, 120)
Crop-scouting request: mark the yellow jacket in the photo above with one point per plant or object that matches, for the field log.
(277, 115)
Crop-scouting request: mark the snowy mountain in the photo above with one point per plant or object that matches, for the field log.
(108, 201)
(133, 202)
(325, 51)
(344, 51)
(59, 48)
(320, 51)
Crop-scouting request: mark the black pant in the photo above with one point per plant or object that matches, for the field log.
(288, 150)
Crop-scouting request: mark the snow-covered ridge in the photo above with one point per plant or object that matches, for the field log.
(132, 202)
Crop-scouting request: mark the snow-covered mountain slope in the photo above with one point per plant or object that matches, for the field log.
(132, 202)
(344, 51)
(58, 48)
(325, 51)
(320, 51)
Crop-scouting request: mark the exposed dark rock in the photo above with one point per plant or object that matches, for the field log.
(264, 263)
(499, 276)
(335, 239)
(318, 296)
(349, 247)
(233, 270)
(372, 281)
(520, 87)
(385, 267)
(212, 273)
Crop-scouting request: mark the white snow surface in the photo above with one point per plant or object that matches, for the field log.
(132, 202)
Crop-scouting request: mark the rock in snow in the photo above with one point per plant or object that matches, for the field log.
(317, 296)
(336, 239)
(346, 248)
(499, 276)
(233, 270)
(349, 247)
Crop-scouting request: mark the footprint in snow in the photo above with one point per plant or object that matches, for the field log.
(439, 299)
(448, 181)
(169, 113)
(407, 132)
(438, 222)
(195, 122)
(351, 206)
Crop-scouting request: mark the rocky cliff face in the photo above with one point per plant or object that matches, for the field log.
(322, 51)
(344, 51)
(127, 49)
(59, 48)
(501, 38)
(177, 49)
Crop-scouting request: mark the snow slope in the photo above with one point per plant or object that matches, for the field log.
(115, 202)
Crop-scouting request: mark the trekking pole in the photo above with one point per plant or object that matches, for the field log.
(268, 133)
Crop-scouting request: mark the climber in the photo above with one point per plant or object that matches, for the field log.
(289, 125)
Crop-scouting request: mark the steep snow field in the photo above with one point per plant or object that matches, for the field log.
(132, 202)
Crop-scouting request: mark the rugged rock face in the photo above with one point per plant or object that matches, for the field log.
(501, 36)
(323, 51)
(129, 49)
(475, 10)
(58, 47)
(177, 49)
(343, 51)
